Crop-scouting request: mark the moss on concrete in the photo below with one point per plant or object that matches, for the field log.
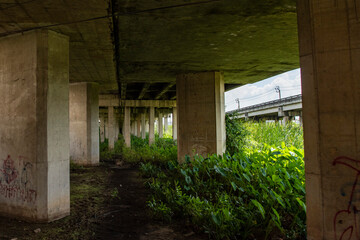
(247, 40)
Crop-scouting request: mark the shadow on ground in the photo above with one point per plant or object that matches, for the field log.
(107, 202)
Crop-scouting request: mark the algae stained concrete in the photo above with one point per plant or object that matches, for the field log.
(34, 129)
(84, 123)
(201, 115)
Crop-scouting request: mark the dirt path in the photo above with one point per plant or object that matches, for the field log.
(106, 203)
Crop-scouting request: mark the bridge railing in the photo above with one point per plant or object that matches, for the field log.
(274, 103)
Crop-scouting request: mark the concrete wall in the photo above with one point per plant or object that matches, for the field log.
(84, 123)
(201, 114)
(34, 126)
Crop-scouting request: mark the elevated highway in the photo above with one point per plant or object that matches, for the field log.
(285, 107)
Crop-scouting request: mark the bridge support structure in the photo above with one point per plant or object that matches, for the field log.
(329, 59)
(201, 114)
(84, 123)
(34, 150)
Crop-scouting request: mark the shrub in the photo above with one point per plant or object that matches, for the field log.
(235, 197)
(236, 134)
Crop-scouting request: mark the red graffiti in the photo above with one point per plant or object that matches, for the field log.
(9, 170)
(342, 232)
(26, 195)
(14, 185)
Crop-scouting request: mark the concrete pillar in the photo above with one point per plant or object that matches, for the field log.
(147, 126)
(126, 127)
(102, 128)
(201, 114)
(138, 127)
(161, 126)
(111, 127)
(107, 127)
(133, 127)
(285, 120)
(330, 70)
(174, 123)
(166, 122)
(143, 126)
(84, 123)
(34, 126)
(151, 125)
(117, 126)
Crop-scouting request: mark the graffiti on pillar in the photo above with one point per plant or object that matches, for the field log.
(15, 179)
(346, 221)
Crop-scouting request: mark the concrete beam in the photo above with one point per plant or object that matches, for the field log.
(167, 88)
(144, 90)
(114, 101)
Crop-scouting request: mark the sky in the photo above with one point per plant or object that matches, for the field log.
(263, 91)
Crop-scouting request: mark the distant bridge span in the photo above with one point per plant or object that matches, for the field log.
(282, 108)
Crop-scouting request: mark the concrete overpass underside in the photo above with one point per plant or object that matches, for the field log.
(190, 51)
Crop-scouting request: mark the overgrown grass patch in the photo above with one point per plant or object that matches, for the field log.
(244, 196)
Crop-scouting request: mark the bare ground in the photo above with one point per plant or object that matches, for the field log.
(107, 202)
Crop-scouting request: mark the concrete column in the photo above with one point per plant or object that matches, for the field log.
(133, 127)
(143, 126)
(174, 123)
(285, 120)
(161, 126)
(151, 125)
(111, 127)
(107, 127)
(117, 126)
(330, 70)
(102, 128)
(126, 127)
(166, 119)
(200, 103)
(84, 123)
(138, 127)
(34, 126)
(147, 126)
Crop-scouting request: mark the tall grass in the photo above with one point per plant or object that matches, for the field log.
(272, 134)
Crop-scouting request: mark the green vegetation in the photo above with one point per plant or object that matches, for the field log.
(255, 191)
(162, 150)
(244, 196)
(263, 134)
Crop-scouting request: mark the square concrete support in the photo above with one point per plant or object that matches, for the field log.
(111, 127)
(147, 126)
(329, 38)
(84, 123)
(126, 127)
(166, 122)
(151, 125)
(102, 129)
(174, 123)
(143, 126)
(106, 121)
(161, 126)
(117, 126)
(34, 126)
(138, 127)
(201, 114)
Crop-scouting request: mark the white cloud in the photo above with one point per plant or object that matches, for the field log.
(263, 91)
